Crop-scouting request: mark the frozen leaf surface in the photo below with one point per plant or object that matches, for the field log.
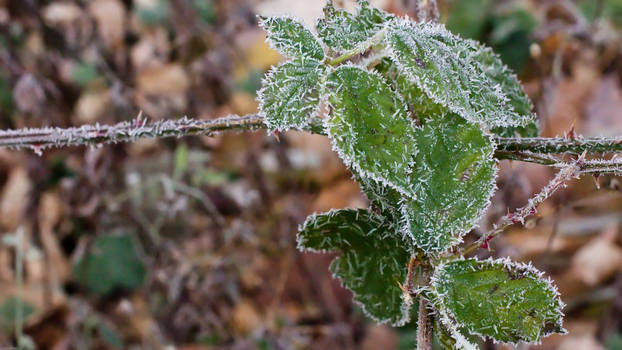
(453, 339)
(342, 31)
(507, 301)
(459, 74)
(290, 94)
(372, 263)
(454, 178)
(369, 127)
(291, 38)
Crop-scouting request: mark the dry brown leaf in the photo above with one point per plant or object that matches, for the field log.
(379, 337)
(91, 105)
(344, 194)
(14, 199)
(111, 21)
(599, 259)
(603, 113)
(246, 317)
(50, 211)
(574, 342)
(170, 79)
(61, 12)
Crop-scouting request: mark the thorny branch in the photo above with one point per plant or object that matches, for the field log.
(576, 145)
(543, 151)
(570, 171)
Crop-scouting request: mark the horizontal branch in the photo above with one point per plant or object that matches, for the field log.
(559, 145)
(533, 150)
(129, 131)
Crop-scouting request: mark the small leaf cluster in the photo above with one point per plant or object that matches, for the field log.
(411, 110)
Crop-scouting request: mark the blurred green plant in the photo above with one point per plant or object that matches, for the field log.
(507, 29)
(154, 14)
(205, 9)
(84, 73)
(111, 264)
(8, 312)
(7, 108)
(610, 10)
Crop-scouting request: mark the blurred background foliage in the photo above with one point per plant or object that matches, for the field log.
(191, 243)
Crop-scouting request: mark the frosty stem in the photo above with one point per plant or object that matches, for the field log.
(545, 151)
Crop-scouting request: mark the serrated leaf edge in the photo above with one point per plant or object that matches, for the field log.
(406, 299)
(507, 263)
(458, 238)
(264, 85)
(272, 45)
(375, 39)
(398, 22)
(405, 192)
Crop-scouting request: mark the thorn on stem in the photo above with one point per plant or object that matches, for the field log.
(276, 135)
(596, 182)
(486, 243)
(570, 134)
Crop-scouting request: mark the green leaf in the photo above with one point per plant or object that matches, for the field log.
(290, 95)
(382, 198)
(507, 301)
(342, 31)
(373, 260)
(530, 130)
(369, 127)
(462, 75)
(454, 178)
(453, 338)
(290, 38)
(111, 264)
(419, 104)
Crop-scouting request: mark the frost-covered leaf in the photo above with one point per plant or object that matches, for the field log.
(459, 74)
(342, 31)
(369, 127)
(291, 38)
(529, 130)
(454, 178)
(507, 301)
(290, 94)
(452, 339)
(373, 260)
(419, 104)
(382, 198)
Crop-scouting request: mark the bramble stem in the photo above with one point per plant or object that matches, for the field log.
(425, 326)
(570, 171)
(560, 145)
(534, 150)
(40, 139)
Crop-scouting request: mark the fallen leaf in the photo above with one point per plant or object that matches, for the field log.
(110, 18)
(599, 259)
(14, 199)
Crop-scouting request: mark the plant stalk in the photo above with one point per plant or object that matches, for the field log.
(534, 150)
(425, 326)
(560, 145)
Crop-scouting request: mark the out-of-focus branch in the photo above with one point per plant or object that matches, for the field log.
(427, 11)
